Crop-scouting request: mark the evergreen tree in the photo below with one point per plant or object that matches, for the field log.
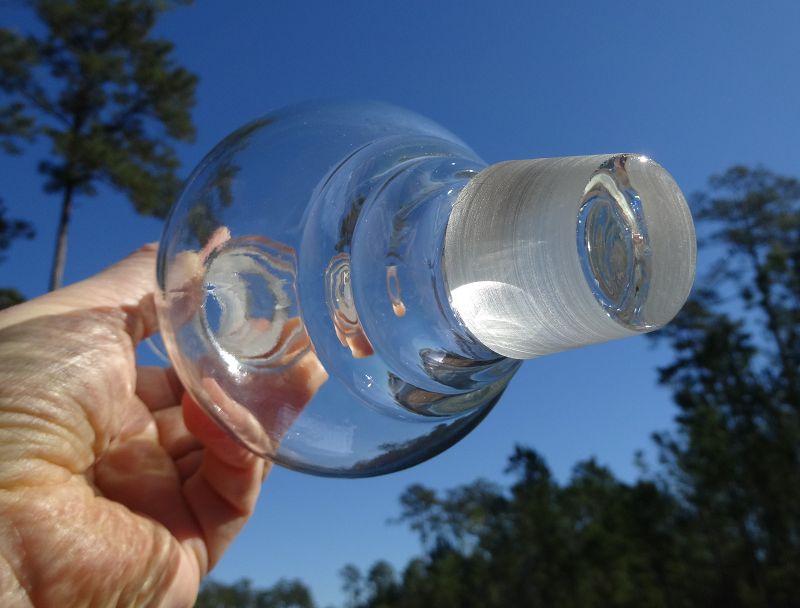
(735, 458)
(109, 97)
(15, 128)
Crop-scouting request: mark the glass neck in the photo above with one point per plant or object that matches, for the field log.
(550, 254)
(388, 206)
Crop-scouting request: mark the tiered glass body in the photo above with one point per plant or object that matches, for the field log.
(305, 301)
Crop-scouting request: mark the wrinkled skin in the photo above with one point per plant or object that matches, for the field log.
(115, 488)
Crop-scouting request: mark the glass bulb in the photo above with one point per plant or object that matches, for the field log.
(347, 289)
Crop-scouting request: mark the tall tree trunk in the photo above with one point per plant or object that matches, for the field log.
(57, 273)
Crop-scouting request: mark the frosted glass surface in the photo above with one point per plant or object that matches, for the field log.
(550, 254)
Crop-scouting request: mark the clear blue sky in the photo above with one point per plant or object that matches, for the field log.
(696, 85)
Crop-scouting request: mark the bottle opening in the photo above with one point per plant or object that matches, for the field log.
(614, 245)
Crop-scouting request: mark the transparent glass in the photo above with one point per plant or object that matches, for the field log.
(347, 289)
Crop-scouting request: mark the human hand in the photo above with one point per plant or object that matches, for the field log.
(115, 488)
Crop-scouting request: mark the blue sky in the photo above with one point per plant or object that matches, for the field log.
(696, 85)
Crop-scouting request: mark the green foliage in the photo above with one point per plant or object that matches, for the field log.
(735, 458)
(10, 297)
(12, 229)
(14, 124)
(241, 594)
(352, 584)
(592, 542)
(107, 95)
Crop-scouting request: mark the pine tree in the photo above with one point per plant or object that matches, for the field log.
(109, 97)
(735, 458)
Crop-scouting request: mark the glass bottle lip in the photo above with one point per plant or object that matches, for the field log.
(614, 244)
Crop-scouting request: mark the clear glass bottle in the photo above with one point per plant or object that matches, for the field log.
(347, 288)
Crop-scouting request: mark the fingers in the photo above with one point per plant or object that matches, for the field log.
(215, 439)
(188, 464)
(127, 286)
(158, 387)
(138, 473)
(222, 492)
(160, 391)
(173, 434)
